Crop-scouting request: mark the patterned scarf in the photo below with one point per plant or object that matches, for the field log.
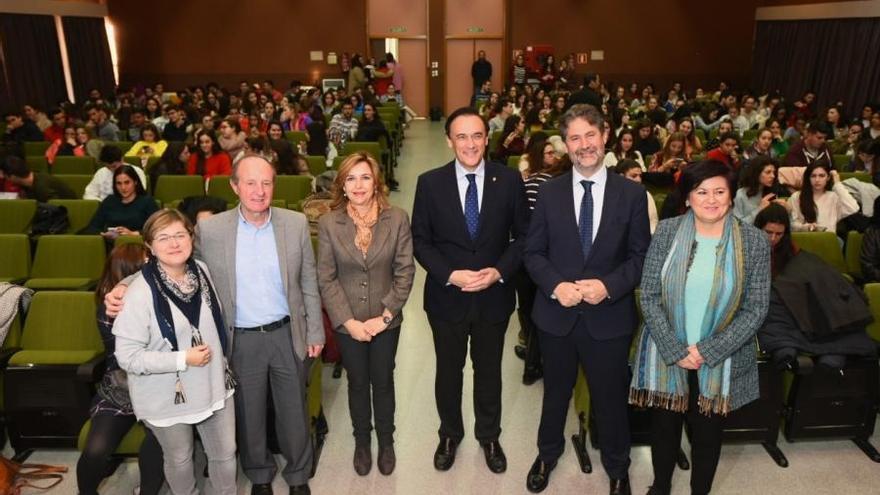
(364, 225)
(163, 291)
(656, 384)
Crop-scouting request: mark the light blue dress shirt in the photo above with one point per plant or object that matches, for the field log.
(260, 297)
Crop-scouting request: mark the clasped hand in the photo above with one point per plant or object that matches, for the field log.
(693, 360)
(591, 291)
(474, 281)
(364, 331)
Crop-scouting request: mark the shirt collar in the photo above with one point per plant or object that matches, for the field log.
(598, 179)
(244, 220)
(461, 172)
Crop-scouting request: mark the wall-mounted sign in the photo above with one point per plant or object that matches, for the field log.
(597, 55)
(331, 58)
(316, 55)
(581, 58)
(397, 29)
(475, 29)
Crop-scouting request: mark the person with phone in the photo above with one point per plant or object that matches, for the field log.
(671, 158)
(760, 189)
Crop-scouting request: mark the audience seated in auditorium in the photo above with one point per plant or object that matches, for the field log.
(726, 152)
(503, 110)
(103, 128)
(632, 170)
(125, 210)
(672, 157)
(174, 162)
(73, 144)
(20, 130)
(761, 146)
(209, 159)
(872, 130)
(149, 144)
(646, 142)
(867, 157)
(760, 189)
(822, 201)
(102, 184)
(371, 127)
(513, 139)
(811, 148)
(624, 148)
(343, 126)
(176, 128)
(56, 130)
(34, 185)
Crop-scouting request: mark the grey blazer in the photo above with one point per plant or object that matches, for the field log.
(215, 245)
(354, 287)
(738, 339)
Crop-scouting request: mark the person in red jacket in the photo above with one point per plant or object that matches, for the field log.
(726, 150)
(209, 159)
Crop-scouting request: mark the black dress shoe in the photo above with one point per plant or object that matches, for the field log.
(386, 459)
(337, 370)
(620, 487)
(261, 489)
(444, 456)
(495, 458)
(520, 351)
(539, 476)
(300, 489)
(531, 375)
(656, 491)
(363, 460)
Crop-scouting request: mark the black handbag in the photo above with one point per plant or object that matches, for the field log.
(50, 219)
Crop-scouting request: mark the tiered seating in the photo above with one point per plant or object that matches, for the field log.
(292, 189)
(74, 165)
(77, 182)
(67, 262)
(79, 212)
(172, 188)
(15, 251)
(16, 215)
(48, 384)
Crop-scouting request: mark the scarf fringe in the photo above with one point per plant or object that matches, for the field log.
(179, 396)
(678, 403)
(196, 337)
(231, 382)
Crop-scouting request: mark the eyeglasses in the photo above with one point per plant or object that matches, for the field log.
(178, 238)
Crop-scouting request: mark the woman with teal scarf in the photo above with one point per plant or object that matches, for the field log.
(705, 292)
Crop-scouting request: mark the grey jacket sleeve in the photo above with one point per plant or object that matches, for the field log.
(753, 306)
(137, 349)
(309, 284)
(653, 312)
(403, 268)
(332, 293)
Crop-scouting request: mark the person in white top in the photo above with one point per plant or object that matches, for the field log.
(632, 171)
(101, 184)
(623, 149)
(822, 202)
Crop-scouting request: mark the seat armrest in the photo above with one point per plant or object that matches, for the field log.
(91, 371)
(6, 355)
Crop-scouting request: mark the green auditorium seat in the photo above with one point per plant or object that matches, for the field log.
(123, 146)
(16, 215)
(852, 252)
(317, 165)
(136, 161)
(374, 149)
(292, 189)
(49, 383)
(79, 212)
(824, 245)
(219, 187)
(513, 162)
(67, 262)
(37, 164)
(862, 176)
(170, 188)
(77, 182)
(128, 239)
(74, 165)
(841, 162)
(872, 290)
(35, 148)
(296, 137)
(15, 251)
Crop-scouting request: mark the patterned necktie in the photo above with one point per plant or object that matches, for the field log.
(585, 223)
(472, 206)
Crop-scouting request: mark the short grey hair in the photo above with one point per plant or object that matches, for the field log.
(234, 177)
(581, 111)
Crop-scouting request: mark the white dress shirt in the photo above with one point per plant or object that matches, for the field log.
(462, 181)
(600, 178)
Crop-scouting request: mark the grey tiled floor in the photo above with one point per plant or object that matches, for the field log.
(828, 467)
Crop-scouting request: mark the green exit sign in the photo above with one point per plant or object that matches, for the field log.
(397, 29)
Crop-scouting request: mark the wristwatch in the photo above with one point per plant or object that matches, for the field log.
(387, 320)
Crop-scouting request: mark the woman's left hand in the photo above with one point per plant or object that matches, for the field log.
(125, 231)
(375, 326)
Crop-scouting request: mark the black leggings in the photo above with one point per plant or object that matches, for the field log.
(104, 437)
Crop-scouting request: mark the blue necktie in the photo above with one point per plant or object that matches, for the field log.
(472, 206)
(585, 223)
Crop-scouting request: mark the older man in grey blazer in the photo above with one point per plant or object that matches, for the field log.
(263, 267)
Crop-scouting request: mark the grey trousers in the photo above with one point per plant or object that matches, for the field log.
(263, 360)
(218, 437)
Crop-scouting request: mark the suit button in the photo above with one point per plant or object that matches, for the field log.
(363, 299)
(363, 284)
(365, 270)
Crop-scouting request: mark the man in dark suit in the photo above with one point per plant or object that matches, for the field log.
(586, 245)
(469, 223)
(589, 94)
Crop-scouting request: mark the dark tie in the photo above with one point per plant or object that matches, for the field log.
(472, 206)
(585, 223)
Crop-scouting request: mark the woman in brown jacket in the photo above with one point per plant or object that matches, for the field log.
(365, 273)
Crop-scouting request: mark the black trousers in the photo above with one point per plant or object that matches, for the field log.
(605, 363)
(705, 435)
(104, 437)
(451, 349)
(525, 294)
(369, 366)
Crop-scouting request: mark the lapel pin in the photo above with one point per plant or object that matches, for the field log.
(494, 178)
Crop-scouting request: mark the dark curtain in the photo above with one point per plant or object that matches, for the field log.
(32, 71)
(835, 58)
(88, 53)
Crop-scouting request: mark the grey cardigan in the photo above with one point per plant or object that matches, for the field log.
(354, 287)
(738, 339)
(151, 365)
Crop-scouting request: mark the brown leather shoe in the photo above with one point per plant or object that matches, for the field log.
(386, 460)
(363, 460)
